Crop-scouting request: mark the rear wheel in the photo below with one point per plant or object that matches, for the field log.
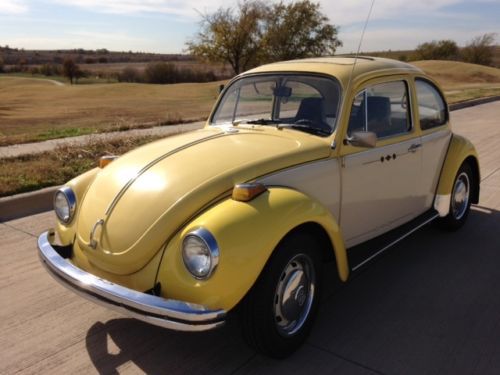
(460, 199)
(278, 313)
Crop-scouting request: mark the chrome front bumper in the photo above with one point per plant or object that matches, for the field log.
(167, 313)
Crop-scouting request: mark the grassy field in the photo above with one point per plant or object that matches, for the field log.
(33, 172)
(33, 109)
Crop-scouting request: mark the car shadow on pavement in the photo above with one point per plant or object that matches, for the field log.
(426, 306)
(131, 344)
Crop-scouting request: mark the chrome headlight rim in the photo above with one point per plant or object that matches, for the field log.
(213, 248)
(70, 197)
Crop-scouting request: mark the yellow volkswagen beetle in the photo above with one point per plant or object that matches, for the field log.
(300, 162)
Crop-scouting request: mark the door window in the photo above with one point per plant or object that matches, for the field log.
(431, 105)
(382, 109)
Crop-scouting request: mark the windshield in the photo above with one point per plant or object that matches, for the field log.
(300, 101)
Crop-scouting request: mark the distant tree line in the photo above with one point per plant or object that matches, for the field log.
(164, 72)
(479, 50)
(155, 72)
(12, 56)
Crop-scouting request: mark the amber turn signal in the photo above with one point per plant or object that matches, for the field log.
(247, 192)
(105, 160)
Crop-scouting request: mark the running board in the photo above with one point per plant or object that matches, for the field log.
(362, 254)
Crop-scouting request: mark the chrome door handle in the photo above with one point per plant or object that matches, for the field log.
(414, 147)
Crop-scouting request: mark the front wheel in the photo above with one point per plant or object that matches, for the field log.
(278, 312)
(460, 199)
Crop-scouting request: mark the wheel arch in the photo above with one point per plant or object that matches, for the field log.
(460, 151)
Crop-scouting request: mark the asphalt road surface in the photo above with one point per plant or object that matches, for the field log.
(430, 305)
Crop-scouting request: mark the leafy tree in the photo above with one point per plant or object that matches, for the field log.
(298, 30)
(71, 70)
(480, 50)
(231, 35)
(437, 50)
(1, 65)
(253, 33)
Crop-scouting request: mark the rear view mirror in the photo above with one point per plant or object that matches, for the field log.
(362, 139)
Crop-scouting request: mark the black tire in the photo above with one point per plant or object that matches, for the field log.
(459, 207)
(272, 324)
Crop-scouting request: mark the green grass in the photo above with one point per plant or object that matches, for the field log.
(33, 172)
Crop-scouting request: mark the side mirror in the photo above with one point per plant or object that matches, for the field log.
(362, 139)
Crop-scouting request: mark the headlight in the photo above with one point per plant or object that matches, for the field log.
(200, 253)
(65, 204)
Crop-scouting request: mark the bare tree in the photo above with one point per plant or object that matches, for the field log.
(298, 30)
(231, 35)
(253, 33)
(71, 70)
(480, 49)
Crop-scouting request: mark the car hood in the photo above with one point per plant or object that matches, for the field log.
(146, 195)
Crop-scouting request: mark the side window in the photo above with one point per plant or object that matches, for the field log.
(382, 109)
(431, 105)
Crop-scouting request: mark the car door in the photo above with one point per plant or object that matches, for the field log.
(380, 184)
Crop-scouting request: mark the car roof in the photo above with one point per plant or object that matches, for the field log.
(340, 67)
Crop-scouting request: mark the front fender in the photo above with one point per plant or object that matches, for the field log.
(459, 150)
(246, 233)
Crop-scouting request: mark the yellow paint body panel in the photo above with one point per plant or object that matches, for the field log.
(246, 233)
(460, 149)
(184, 174)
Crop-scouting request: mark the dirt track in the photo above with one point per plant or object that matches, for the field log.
(429, 306)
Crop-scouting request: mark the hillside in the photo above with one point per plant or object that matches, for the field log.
(452, 73)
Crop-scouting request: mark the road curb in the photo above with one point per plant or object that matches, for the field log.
(473, 102)
(26, 204)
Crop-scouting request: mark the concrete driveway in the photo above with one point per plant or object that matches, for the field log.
(431, 305)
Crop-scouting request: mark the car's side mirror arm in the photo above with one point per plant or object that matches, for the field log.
(362, 139)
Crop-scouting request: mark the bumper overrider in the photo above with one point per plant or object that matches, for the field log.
(167, 313)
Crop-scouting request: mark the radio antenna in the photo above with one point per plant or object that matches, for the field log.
(359, 45)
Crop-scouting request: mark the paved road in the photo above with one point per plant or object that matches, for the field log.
(431, 305)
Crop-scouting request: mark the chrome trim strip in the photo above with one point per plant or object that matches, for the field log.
(152, 163)
(442, 204)
(167, 313)
(394, 242)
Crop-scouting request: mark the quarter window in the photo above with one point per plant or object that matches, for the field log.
(382, 109)
(431, 106)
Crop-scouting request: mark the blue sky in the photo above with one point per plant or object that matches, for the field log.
(165, 25)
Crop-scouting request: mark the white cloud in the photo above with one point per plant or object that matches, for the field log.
(12, 7)
(183, 8)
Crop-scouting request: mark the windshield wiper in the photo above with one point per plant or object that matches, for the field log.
(307, 127)
(260, 121)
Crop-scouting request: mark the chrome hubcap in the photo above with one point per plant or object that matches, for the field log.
(294, 295)
(460, 197)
